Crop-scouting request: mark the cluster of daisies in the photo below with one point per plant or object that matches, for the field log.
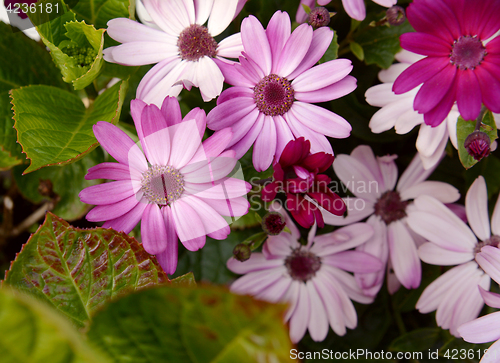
(181, 187)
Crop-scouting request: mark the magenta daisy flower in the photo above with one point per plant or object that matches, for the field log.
(177, 188)
(460, 65)
(312, 278)
(184, 49)
(275, 82)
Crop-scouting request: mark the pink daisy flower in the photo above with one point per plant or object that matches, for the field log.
(486, 329)
(354, 8)
(386, 201)
(184, 49)
(311, 278)
(178, 187)
(397, 112)
(275, 82)
(455, 295)
(459, 65)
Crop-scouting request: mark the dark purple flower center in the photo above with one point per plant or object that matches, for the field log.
(390, 207)
(302, 265)
(162, 184)
(319, 17)
(196, 42)
(492, 241)
(273, 223)
(467, 52)
(478, 144)
(273, 95)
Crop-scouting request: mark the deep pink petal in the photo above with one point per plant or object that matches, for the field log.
(490, 87)
(168, 258)
(425, 44)
(114, 171)
(434, 17)
(228, 113)
(439, 113)
(418, 73)
(434, 89)
(153, 230)
(112, 210)
(136, 107)
(171, 111)
(129, 220)
(107, 193)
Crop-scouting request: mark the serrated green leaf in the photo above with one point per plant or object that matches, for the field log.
(78, 270)
(32, 332)
(357, 50)
(99, 12)
(416, 341)
(465, 128)
(54, 127)
(179, 324)
(380, 43)
(22, 62)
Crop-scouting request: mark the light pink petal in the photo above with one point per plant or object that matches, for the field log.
(389, 171)
(168, 258)
(208, 171)
(156, 138)
(301, 316)
(322, 75)
(429, 138)
(225, 189)
(414, 174)
(144, 52)
(353, 174)
(482, 330)
(490, 298)
(114, 171)
(258, 281)
(328, 93)
(321, 120)
(476, 207)
(350, 286)
(153, 230)
(443, 192)
(357, 210)
(231, 74)
(124, 30)
(230, 47)
(342, 239)
(172, 16)
(202, 9)
(301, 15)
(107, 193)
(319, 142)
(129, 220)
(283, 135)
(242, 146)
(223, 12)
(209, 78)
(215, 226)
(256, 262)
(354, 261)
(349, 313)
(404, 256)
(364, 154)
(435, 255)
(185, 142)
(355, 9)
(495, 218)
(278, 31)
(256, 44)
(489, 260)
(265, 145)
(275, 293)
(294, 50)
(228, 113)
(188, 225)
(318, 325)
(120, 146)
(331, 302)
(281, 245)
(112, 210)
(235, 207)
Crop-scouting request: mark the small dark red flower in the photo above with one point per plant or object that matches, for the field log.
(297, 173)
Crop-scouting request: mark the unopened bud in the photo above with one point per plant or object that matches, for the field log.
(478, 145)
(396, 15)
(242, 252)
(273, 223)
(319, 17)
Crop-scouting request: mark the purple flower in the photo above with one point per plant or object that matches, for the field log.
(459, 64)
(486, 329)
(354, 8)
(184, 49)
(455, 295)
(275, 83)
(386, 201)
(312, 278)
(178, 187)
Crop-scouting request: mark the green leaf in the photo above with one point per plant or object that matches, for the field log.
(55, 128)
(357, 50)
(22, 62)
(78, 270)
(32, 332)
(67, 181)
(380, 43)
(332, 51)
(75, 47)
(179, 324)
(184, 280)
(416, 341)
(99, 12)
(465, 128)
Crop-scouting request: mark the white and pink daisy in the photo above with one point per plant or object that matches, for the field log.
(275, 83)
(486, 328)
(354, 8)
(455, 295)
(397, 112)
(184, 48)
(387, 204)
(178, 187)
(312, 278)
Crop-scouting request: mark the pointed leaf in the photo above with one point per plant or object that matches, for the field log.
(78, 270)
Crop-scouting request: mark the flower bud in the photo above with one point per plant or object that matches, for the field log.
(242, 252)
(396, 15)
(478, 145)
(319, 17)
(273, 223)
